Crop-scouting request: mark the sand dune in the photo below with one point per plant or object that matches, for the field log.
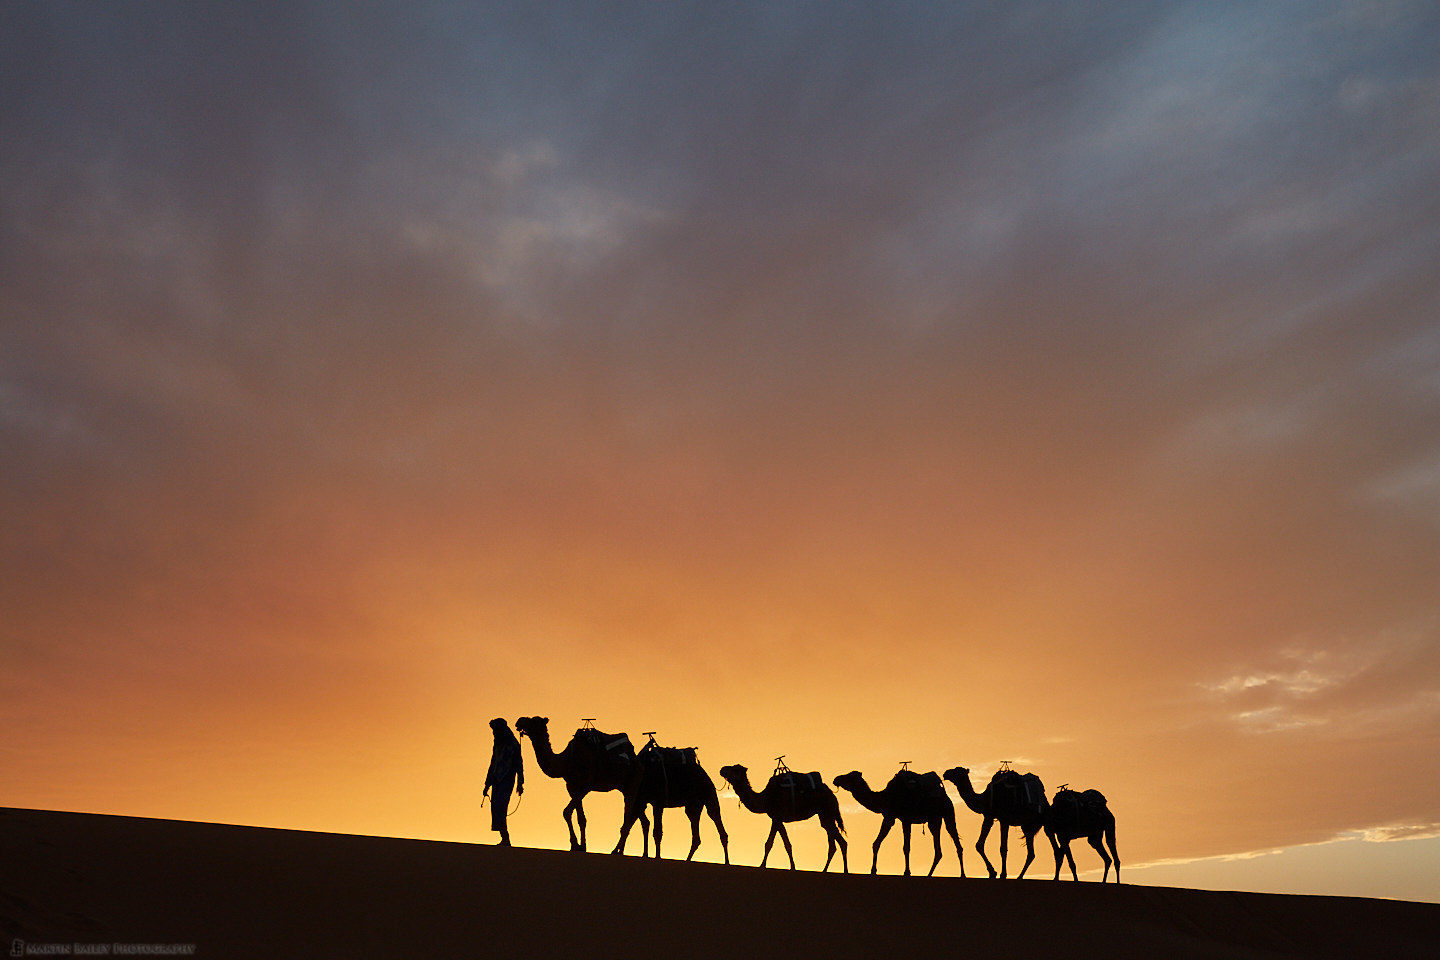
(89, 882)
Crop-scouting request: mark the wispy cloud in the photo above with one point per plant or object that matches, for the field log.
(1311, 672)
(1352, 686)
(1403, 831)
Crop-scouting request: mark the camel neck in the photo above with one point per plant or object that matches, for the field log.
(967, 793)
(748, 797)
(545, 754)
(867, 798)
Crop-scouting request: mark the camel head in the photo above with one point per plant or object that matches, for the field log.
(850, 781)
(958, 775)
(734, 774)
(530, 726)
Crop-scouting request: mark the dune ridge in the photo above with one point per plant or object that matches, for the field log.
(93, 880)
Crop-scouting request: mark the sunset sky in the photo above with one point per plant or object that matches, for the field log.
(1052, 382)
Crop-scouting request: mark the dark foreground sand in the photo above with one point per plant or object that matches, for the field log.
(86, 882)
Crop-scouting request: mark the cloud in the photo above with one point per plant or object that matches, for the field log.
(1314, 671)
(23, 412)
(1275, 720)
(519, 223)
(1354, 687)
(1396, 832)
(1414, 489)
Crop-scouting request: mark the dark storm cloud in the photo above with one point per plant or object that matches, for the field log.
(1222, 209)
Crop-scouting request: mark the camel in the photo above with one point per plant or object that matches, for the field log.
(1012, 799)
(910, 798)
(790, 798)
(592, 762)
(1073, 814)
(673, 777)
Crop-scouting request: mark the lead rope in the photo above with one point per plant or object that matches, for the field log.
(518, 797)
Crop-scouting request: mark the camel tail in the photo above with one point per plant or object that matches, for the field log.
(839, 818)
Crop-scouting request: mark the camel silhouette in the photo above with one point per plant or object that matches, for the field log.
(1074, 814)
(789, 798)
(1012, 799)
(673, 777)
(592, 762)
(910, 798)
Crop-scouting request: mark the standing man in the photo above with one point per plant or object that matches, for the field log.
(507, 772)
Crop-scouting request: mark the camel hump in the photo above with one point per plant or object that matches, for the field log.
(652, 752)
(793, 782)
(904, 778)
(1078, 796)
(1072, 803)
(614, 744)
(1018, 789)
(917, 784)
(930, 784)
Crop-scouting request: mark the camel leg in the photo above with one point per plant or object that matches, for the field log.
(1105, 857)
(659, 812)
(625, 826)
(1029, 836)
(712, 806)
(770, 841)
(785, 839)
(624, 834)
(935, 832)
(905, 845)
(634, 810)
(1110, 839)
(837, 838)
(832, 833)
(572, 809)
(955, 835)
(885, 826)
(980, 845)
(1004, 846)
(693, 812)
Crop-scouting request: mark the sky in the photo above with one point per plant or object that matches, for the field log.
(854, 382)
